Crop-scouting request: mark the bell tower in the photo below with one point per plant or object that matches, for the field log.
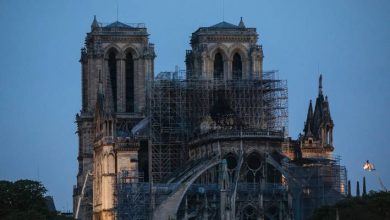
(116, 63)
(121, 55)
(225, 52)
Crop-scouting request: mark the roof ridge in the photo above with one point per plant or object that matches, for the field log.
(118, 24)
(224, 24)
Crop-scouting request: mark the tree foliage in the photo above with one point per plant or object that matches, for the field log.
(376, 205)
(24, 200)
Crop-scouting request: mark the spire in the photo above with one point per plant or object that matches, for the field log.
(364, 193)
(349, 189)
(357, 189)
(309, 120)
(319, 114)
(320, 85)
(94, 24)
(241, 24)
(326, 111)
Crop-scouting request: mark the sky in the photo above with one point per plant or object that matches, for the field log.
(347, 41)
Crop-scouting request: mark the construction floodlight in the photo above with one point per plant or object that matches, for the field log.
(368, 166)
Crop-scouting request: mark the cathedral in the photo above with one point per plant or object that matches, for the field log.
(208, 142)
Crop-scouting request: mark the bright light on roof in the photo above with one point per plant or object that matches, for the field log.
(368, 166)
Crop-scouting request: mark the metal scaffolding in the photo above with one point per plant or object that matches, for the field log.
(133, 197)
(186, 112)
(167, 105)
(179, 106)
(318, 182)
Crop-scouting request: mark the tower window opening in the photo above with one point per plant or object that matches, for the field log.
(113, 70)
(218, 66)
(129, 83)
(237, 66)
(328, 136)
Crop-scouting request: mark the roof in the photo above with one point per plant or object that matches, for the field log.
(118, 24)
(224, 24)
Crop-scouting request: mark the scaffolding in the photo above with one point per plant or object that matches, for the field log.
(133, 200)
(179, 108)
(260, 104)
(184, 112)
(318, 182)
(167, 105)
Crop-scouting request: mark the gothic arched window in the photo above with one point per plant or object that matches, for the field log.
(218, 66)
(129, 83)
(250, 213)
(237, 66)
(113, 69)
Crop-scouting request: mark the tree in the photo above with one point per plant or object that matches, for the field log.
(24, 199)
(5, 197)
(376, 205)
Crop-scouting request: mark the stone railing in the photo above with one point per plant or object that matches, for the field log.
(235, 134)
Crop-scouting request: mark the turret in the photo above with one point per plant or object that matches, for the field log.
(320, 85)
(241, 24)
(317, 140)
(94, 24)
(309, 121)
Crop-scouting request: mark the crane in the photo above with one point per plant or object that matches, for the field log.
(89, 173)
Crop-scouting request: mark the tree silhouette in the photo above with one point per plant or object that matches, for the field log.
(24, 199)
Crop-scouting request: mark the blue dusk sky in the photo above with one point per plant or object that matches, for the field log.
(348, 41)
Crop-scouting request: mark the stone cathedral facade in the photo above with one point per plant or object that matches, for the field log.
(116, 63)
(206, 143)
